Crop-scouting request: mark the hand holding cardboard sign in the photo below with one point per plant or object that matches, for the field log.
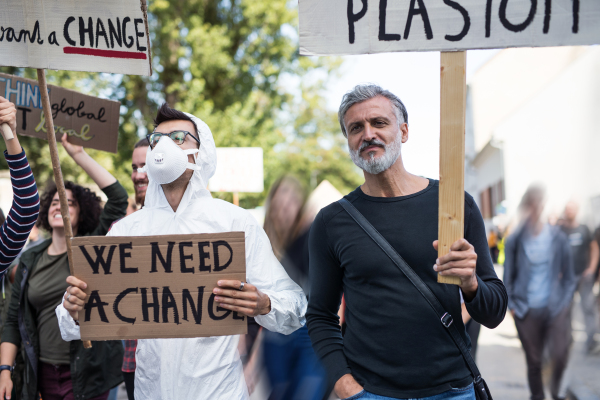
(74, 298)
(249, 300)
(8, 126)
(461, 262)
(72, 149)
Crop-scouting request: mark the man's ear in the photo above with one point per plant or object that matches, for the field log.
(404, 131)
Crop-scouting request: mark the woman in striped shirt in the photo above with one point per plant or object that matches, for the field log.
(21, 218)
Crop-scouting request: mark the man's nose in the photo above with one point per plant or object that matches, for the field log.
(137, 175)
(369, 132)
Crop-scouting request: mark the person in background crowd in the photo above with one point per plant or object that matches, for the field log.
(20, 223)
(293, 368)
(55, 368)
(540, 281)
(17, 226)
(140, 184)
(585, 253)
(597, 273)
(140, 179)
(493, 245)
(394, 346)
(177, 202)
(473, 328)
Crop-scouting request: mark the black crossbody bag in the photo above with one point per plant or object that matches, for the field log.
(481, 389)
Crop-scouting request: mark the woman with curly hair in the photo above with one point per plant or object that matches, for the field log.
(54, 368)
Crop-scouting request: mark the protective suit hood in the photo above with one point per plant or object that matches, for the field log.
(206, 160)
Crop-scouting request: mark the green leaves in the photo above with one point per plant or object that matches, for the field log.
(234, 64)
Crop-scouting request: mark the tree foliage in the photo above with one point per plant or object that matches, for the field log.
(235, 65)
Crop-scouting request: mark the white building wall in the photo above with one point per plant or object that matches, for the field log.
(554, 139)
(510, 79)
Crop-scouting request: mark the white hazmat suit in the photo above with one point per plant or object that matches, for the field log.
(203, 368)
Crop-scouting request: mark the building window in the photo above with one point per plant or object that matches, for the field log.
(490, 199)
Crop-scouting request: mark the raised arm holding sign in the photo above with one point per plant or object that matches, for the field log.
(32, 38)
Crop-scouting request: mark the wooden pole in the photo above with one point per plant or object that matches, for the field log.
(452, 153)
(6, 131)
(58, 178)
(236, 199)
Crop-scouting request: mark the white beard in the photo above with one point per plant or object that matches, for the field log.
(377, 165)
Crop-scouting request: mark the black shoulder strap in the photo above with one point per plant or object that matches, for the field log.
(445, 317)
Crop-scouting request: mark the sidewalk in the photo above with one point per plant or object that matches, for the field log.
(583, 373)
(502, 361)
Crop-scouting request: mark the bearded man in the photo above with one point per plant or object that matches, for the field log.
(139, 179)
(180, 161)
(394, 346)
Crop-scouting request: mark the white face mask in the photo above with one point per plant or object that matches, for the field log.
(167, 161)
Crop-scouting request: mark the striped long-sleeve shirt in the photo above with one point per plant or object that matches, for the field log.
(24, 211)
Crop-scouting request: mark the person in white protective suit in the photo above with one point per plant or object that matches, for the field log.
(177, 202)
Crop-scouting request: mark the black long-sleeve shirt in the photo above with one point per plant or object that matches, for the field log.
(394, 344)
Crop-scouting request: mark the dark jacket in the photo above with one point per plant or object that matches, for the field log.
(517, 273)
(93, 371)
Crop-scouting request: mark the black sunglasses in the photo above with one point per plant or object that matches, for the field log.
(177, 136)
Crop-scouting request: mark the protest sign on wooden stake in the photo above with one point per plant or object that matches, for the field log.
(24, 25)
(338, 27)
(89, 121)
(452, 153)
(158, 286)
(76, 35)
(375, 26)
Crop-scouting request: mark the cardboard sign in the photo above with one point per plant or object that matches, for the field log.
(240, 169)
(89, 121)
(375, 26)
(76, 35)
(158, 286)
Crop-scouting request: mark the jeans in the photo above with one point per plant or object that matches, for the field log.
(129, 378)
(55, 383)
(536, 330)
(293, 368)
(466, 393)
(588, 305)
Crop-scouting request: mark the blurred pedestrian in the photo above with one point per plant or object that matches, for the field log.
(395, 346)
(473, 328)
(293, 368)
(493, 245)
(55, 368)
(585, 253)
(540, 281)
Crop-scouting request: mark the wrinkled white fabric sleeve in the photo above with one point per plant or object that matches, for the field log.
(263, 270)
(69, 330)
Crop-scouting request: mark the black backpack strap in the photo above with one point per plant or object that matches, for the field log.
(444, 317)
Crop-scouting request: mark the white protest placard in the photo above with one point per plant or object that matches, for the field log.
(240, 169)
(76, 35)
(375, 26)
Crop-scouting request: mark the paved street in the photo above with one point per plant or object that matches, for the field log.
(502, 361)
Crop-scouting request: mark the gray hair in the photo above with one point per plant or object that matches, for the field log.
(366, 92)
